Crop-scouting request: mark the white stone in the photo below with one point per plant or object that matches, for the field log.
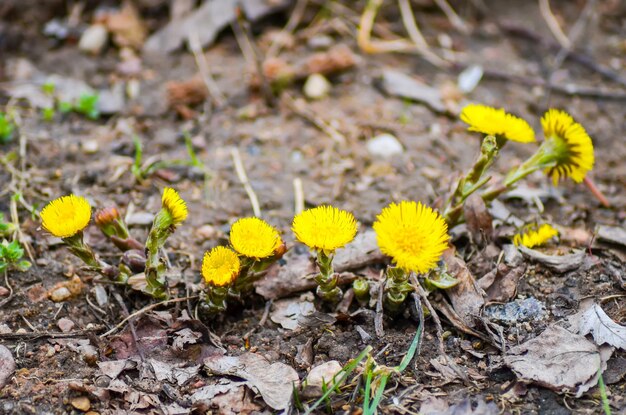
(93, 39)
(60, 294)
(316, 86)
(384, 145)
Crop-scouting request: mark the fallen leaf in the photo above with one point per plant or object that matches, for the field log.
(602, 328)
(362, 251)
(612, 234)
(274, 381)
(466, 297)
(319, 376)
(185, 336)
(289, 312)
(228, 397)
(501, 283)
(559, 263)
(478, 219)
(113, 368)
(7, 365)
(127, 27)
(557, 359)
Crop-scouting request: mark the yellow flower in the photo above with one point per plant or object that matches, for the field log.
(254, 238)
(412, 234)
(571, 145)
(535, 235)
(66, 216)
(220, 266)
(497, 122)
(324, 228)
(174, 205)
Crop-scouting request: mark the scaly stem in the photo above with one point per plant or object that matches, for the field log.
(327, 279)
(78, 247)
(396, 289)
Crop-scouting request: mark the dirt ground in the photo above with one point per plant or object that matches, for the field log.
(58, 364)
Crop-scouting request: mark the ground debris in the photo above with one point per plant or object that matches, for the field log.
(592, 319)
(274, 381)
(466, 297)
(7, 365)
(558, 359)
(558, 263)
(528, 309)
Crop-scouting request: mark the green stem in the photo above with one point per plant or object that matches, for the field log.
(396, 289)
(216, 299)
(327, 279)
(78, 247)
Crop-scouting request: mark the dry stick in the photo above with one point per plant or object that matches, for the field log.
(145, 310)
(133, 333)
(315, 120)
(292, 23)
(570, 89)
(298, 195)
(364, 35)
(596, 192)
(211, 86)
(572, 55)
(378, 318)
(243, 36)
(408, 19)
(420, 291)
(243, 178)
(553, 25)
(454, 18)
(6, 282)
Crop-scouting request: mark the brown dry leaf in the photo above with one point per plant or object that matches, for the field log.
(466, 297)
(274, 381)
(500, 284)
(127, 27)
(401, 85)
(228, 397)
(478, 219)
(559, 360)
(558, 263)
(289, 312)
(336, 59)
(468, 406)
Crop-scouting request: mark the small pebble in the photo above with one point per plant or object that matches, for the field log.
(140, 219)
(90, 146)
(60, 294)
(384, 145)
(316, 86)
(320, 42)
(65, 324)
(4, 292)
(93, 39)
(81, 403)
(206, 232)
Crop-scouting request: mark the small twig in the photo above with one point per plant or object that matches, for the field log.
(298, 195)
(243, 178)
(454, 18)
(596, 192)
(28, 323)
(211, 86)
(553, 25)
(46, 334)
(314, 119)
(131, 324)
(420, 291)
(243, 35)
(6, 282)
(262, 321)
(143, 311)
(294, 19)
(378, 318)
(410, 24)
(420, 313)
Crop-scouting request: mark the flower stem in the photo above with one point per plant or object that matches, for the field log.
(327, 279)
(155, 268)
(78, 247)
(396, 289)
(215, 299)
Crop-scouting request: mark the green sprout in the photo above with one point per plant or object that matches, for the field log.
(6, 228)
(87, 105)
(6, 129)
(11, 257)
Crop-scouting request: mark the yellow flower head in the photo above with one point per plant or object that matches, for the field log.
(254, 238)
(324, 228)
(497, 122)
(174, 205)
(220, 266)
(571, 145)
(412, 234)
(535, 235)
(66, 216)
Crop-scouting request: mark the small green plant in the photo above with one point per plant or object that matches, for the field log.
(11, 257)
(603, 395)
(6, 129)
(6, 228)
(87, 105)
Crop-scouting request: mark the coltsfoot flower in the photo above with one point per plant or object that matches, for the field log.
(497, 122)
(325, 228)
(535, 235)
(569, 145)
(412, 234)
(174, 205)
(255, 238)
(66, 216)
(220, 266)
